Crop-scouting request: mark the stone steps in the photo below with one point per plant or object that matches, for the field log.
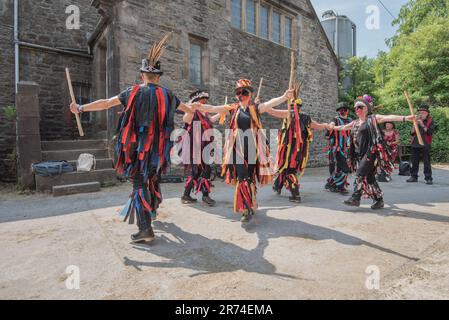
(106, 177)
(77, 182)
(73, 145)
(70, 155)
(99, 164)
(68, 189)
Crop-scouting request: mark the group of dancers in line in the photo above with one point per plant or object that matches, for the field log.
(144, 145)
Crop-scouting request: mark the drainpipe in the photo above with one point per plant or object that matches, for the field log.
(16, 42)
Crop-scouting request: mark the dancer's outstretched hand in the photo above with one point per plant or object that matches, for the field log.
(289, 94)
(74, 108)
(411, 118)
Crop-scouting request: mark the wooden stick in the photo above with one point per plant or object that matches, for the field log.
(260, 88)
(290, 85)
(415, 123)
(223, 115)
(378, 107)
(72, 96)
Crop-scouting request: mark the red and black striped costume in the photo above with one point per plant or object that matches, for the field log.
(192, 147)
(143, 147)
(293, 151)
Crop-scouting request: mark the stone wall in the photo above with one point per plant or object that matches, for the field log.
(43, 23)
(7, 127)
(230, 54)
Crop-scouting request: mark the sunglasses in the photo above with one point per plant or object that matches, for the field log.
(343, 110)
(359, 107)
(244, 93)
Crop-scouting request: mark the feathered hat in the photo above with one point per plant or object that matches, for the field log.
(152, 63)
(198, 95)
(296, 97)
(365, 100)
(244, 84)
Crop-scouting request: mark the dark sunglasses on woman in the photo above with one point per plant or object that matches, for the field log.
(244, 93)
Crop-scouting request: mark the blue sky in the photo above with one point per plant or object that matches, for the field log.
(369, 42)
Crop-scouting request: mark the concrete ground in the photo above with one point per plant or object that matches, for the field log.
(319, 249)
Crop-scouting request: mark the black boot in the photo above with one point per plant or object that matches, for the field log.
(429, 181)
(188, 200)
(209, 201)
(143, 236)
(295, 199)
(247, 215)
(412, 179)
(277, 189)
(378, 204)
(352, 201)
(145, 233)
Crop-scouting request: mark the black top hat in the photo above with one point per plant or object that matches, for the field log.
(198, 95)
(342, 105)
(424, 107)
(148, 68)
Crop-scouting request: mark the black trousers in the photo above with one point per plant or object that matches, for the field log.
(144, 218)
(197, 172)
(341, 164)
(416, 153)
(366, 179)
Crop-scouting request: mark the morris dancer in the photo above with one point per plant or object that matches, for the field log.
(427, 127)
(338, 150)
(294, 141)
(199, 179)
(370, 151)
(143, 139)
(392, 138)
(246, 152)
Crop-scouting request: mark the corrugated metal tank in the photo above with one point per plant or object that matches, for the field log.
(341, 32)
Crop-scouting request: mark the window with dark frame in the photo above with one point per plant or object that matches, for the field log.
(288, 32)
(276, 23)
(264, 22)
(83, 95)
(195, 65)
(250, 17)
(236, 13)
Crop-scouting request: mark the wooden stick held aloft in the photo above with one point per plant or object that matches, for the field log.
(415, 123)
(290, 85)
(260, 88)
(223, 115)
(72, 96)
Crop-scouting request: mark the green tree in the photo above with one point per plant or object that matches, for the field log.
(419, 63)
(363, 80)
(417, 13)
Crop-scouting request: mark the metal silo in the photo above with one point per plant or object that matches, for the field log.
(341, 32)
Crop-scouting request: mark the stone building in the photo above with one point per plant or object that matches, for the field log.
(214, 43)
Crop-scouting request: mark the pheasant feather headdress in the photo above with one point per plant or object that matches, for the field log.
(296, 97)
(152, 63)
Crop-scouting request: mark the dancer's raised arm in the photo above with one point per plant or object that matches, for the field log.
(319, 126)
(102, 104)
(346, 127)
(264, 107)
(211, 109)
(394, 118)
